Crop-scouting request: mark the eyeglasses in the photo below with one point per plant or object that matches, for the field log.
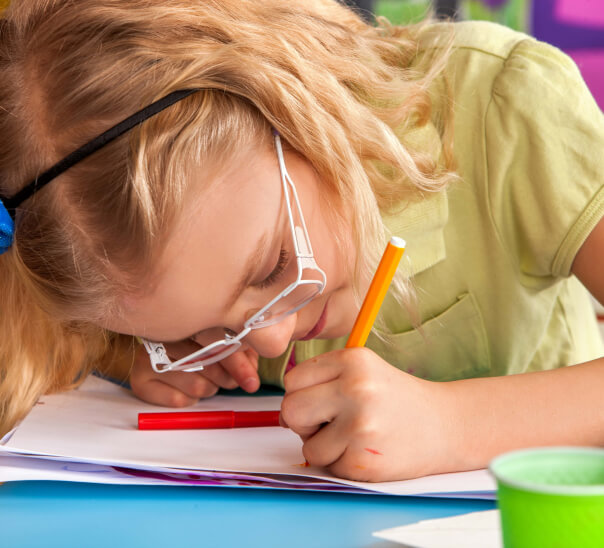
(296, 295)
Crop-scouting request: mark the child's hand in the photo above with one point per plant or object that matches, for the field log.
(179, 388)
(367, 420)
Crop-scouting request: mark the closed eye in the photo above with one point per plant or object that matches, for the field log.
(276, 273)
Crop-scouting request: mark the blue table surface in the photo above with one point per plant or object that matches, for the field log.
(48, 514)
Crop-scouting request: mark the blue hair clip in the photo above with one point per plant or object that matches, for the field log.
(7, 229)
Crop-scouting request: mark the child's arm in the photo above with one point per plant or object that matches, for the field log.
(369, 421)
(561, 407)
(558, 407)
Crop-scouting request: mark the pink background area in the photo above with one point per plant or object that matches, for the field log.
(591, 64)
(586, 13)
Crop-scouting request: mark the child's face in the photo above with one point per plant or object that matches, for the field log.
(237, 229)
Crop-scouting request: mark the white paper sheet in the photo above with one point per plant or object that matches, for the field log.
(15, 467)
(474, 530)
(97, 424)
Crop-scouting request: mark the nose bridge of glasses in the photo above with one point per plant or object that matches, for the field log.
(250, 319)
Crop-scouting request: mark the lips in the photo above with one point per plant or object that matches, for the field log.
(318, 326)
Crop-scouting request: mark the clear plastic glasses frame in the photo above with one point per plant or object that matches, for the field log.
(296, 295)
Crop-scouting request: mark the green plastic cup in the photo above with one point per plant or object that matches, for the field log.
(551, 497)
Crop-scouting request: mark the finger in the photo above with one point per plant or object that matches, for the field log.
(243, 367)
(326, 446)
(160, 393)
(306, 410)
(357, 466)
(192, 384)
(219, 376)
(252, 355)
(317, 370)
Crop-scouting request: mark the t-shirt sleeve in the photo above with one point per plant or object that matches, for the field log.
(544, 136)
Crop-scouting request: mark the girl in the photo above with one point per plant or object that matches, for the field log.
(219, 179)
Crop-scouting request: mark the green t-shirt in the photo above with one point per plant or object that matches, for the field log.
(492, 255)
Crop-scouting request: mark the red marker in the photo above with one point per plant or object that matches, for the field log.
(188, 420)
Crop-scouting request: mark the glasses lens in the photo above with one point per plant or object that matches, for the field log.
(205, 356)
(288, 304)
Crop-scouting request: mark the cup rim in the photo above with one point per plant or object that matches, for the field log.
(570, 490)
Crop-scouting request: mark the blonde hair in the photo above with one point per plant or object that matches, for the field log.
(334, 87)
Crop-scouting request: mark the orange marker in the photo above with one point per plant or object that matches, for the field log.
(376, 292)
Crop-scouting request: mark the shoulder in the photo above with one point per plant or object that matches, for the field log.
(499, 77)
(528, 137)
(482, 37)
(490, 58)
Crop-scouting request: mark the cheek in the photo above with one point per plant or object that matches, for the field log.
(331, 238)
(338, 264)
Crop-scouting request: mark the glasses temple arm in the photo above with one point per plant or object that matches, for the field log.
(304, 250)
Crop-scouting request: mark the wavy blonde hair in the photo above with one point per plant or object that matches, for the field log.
(335, 88)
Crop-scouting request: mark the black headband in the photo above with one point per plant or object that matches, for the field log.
(12, 203)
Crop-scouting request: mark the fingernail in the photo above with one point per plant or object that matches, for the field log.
(250, 384)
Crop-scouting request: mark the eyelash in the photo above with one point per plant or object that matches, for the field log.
(274, 276)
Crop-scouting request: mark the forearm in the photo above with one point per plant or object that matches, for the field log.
(492, 415)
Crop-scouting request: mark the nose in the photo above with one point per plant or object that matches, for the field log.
(272, 341)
